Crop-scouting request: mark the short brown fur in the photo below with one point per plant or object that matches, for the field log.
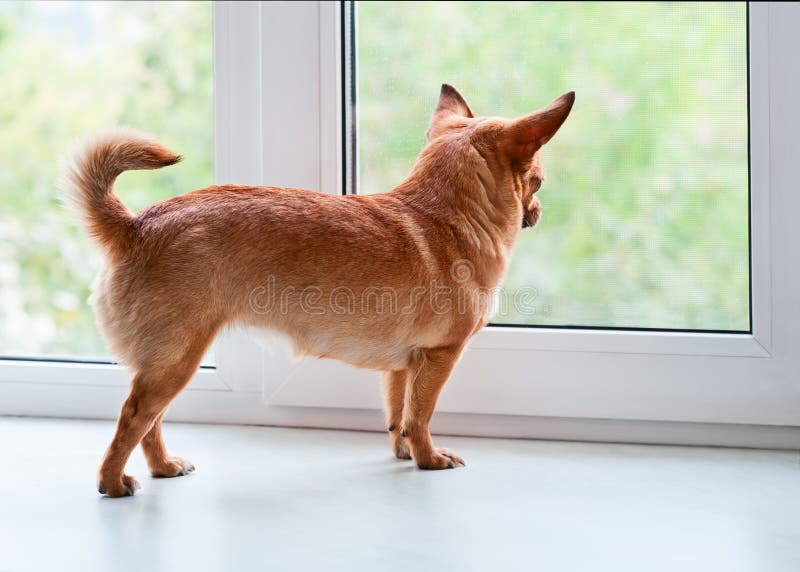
(183, 268)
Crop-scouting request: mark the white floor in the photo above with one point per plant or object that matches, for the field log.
(293, 499)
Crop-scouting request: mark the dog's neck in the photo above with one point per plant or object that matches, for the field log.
(456, 186)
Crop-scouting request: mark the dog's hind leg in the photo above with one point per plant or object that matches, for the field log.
(394, 391)
(155, 451)
(432, 369)
(152, 389)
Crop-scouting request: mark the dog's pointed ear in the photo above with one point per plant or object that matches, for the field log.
(450, 103)
(527, 134)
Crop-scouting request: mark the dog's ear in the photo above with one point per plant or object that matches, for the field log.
(527, 134)
(451, 103)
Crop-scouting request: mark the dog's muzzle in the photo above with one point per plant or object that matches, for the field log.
(532, 214)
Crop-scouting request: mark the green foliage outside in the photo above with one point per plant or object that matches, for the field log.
(69, 68)
(645, 220)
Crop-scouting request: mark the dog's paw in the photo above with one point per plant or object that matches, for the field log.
(440, 459)
(124, 486)
(172, 467)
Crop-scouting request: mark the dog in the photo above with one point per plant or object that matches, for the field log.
(178, 271)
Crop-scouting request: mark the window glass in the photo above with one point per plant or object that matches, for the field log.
(646, 202)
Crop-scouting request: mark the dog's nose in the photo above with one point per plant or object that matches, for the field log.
(525, 223)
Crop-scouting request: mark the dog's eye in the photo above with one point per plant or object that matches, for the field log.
(535, 181)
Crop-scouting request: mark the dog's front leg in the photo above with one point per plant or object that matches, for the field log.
(394, 394)
(433, 367)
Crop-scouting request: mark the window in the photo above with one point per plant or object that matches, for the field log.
(684, 347)
(70, 68)
(646, 199)
(282, 77)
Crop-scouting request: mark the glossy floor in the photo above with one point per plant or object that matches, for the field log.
(294, 499)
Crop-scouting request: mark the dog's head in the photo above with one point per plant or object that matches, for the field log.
(510, 147)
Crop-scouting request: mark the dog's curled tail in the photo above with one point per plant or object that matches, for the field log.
(87, 179)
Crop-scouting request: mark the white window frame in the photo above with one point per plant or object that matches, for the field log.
(278, 121)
